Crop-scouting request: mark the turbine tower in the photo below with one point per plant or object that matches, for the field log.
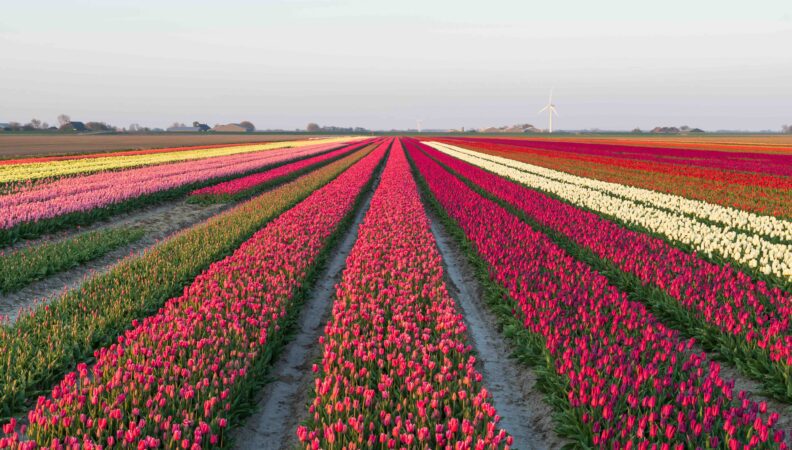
(551, 109)
(418, 123)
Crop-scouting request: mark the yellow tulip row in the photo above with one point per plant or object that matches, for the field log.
(38, 170)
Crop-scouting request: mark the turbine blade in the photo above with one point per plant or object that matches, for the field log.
(543, 109)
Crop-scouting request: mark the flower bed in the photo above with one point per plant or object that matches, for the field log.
(177, 378)
(396, 369)
(616, 375)
(49, 340)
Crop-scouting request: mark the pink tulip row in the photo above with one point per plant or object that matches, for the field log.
(172, 380)
(626, 380)
(84, 193)
(396, 370)
(240, 185)
(759, 316)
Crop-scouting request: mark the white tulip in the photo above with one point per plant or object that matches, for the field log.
(653, 211)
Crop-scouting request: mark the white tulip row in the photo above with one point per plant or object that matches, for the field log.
(751, 249)
(749, 222)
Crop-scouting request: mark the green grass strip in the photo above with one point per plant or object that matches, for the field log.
(21, 267)
(42, 346)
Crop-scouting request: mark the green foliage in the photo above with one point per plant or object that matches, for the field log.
(22, 267)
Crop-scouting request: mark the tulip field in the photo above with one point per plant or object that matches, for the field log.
(639, 292)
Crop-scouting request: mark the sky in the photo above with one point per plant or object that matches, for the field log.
(382, 65)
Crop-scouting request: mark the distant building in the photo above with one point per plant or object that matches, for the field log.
(74, 126)
(665, 130)
(230, 128)
(183, 129)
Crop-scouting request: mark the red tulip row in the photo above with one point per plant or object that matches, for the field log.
(760, 163)
(245, 186)
(174, 379)
(763, 194)
(754, 321)
(620, 378)
(396, 370)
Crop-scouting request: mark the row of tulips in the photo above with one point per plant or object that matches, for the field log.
(396, 370)
(757, 253)
(42, 344)
(751, 179)
(245, 186)
(84, 199)
(739, 144)
(763, 163)
(21, 267)
(762, 194)
(619, 378)
(104, 154)
(74, 166)
(179, 377)
(750, 319)
(765, 226)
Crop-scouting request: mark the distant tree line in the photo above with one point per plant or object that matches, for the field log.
(66, 124)
(315, 128)
(786, 129)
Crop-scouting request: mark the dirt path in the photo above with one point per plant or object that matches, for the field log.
(282, 403)
(525, 415)
(158, 221)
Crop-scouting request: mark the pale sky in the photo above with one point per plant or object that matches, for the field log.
(613, 64)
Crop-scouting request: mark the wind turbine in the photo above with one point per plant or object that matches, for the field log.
(418, 123)
(551, 109)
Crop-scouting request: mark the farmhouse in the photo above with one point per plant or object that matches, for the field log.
(74, 126)
(230, 128)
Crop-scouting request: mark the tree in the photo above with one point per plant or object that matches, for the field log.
(63, 119)
(249, 127)
(98, 126)
(35, 123)
(787, 129)
(312, 127)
